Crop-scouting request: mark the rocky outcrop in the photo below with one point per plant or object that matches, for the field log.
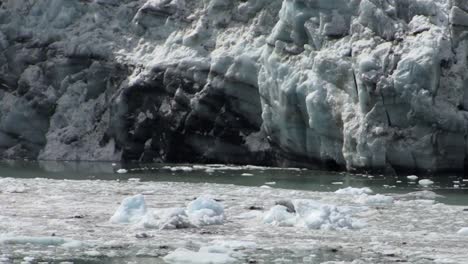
(361, 84)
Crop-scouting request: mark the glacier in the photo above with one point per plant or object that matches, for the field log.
(351, 84)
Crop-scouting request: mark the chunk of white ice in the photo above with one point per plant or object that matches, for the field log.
(205, 211)
(354, 191)
(182, 255)
(425, 182)
(122, 171)
(131, 210)
(412, 177)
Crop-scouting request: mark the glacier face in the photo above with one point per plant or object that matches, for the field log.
(357, 84)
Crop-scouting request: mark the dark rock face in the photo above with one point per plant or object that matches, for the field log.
(65, 95)
(171, 118)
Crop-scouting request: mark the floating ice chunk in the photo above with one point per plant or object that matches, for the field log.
(279, 216)
(463, 231)
(228, 246)
(122, 171)
(134, 180)
(205, 211)
(304, 207)
(182, 255)
(328, 217)
(270, 183)
(337, 183)
(169, 218)
(377, 199)
(131, 210)
(247, 174)
(235, 244)
(182, 168)
(354, 191)
(17, 188)
(313, 215)
(425, 182)
(412, 177)
(428, 195)
(41, 241)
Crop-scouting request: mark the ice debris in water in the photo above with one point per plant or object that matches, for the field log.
(122, 171)
(425, 182)
(412, 177)
(201, 212)
(313, 215)
(205, 211)
(365, 198)
(182, 169)
(426, 195)
(377, 199)
(219, 251)
(279, 216)
(168, 218)
(354, 191)
(182, 255)
(40, 241)
(131, 210)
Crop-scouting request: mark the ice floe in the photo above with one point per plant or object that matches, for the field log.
(131, 210)
(425, 182)
(354, 191)
(313, 215)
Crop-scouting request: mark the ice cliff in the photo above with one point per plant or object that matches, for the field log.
(357, 84)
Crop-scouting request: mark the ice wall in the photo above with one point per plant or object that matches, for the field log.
(358, 84)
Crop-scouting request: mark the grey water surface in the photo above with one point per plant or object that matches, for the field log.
(452, 187)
